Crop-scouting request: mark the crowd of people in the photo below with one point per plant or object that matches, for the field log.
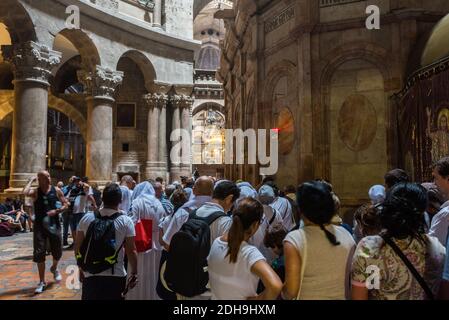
(203, 238)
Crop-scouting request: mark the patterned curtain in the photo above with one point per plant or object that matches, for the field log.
(423, 120)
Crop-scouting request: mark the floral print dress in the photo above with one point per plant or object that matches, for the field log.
(396, 282)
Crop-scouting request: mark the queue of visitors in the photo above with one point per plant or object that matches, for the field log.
(208, 239)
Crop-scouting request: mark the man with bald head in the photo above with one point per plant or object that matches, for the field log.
(47, 226)
(126, 185)
(202, 191)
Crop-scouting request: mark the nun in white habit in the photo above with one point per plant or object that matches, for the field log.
(146, 206)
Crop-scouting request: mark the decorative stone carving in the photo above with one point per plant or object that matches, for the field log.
(145, 4)
(357, 123)
(182, 101)
(32, 61)
(108, 4)
(156, 100)
(102, 83)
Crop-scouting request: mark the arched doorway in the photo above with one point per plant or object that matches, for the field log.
(208, 140)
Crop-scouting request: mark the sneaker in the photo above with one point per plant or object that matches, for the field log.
(40, 288)
(56, 275)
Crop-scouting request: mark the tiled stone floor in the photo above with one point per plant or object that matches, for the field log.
(19, 277)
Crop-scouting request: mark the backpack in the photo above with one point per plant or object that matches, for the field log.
(186, 269)
(98, 252)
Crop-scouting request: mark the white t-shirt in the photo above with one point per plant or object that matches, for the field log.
(284, 207)
(80, 205)
(440, 224)
(220, 226)
(124, 228)
(257, 239)
(182, 215)
(233, 281)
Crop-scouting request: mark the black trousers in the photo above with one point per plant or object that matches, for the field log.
(103, 288)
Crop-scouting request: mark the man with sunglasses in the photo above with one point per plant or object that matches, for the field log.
(47, 226)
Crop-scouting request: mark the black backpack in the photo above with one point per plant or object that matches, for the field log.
(186, 269)
(98, 251)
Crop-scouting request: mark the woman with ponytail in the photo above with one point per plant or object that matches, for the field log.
(402, 220)
(318, 256)
(234, 266)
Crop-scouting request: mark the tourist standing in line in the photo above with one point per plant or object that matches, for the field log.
(47, 225)
(235, 267)
(146, 206)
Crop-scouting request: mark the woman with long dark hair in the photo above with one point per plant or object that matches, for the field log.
(235, 267)
(402, 263)
(317, 257)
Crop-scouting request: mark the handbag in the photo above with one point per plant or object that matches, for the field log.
(410, 267)
(144, 235)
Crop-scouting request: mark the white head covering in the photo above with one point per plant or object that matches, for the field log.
(247, 190)
(266, 194)
(143, 189)
(377, 194)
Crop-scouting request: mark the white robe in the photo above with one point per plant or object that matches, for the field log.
(147, 207)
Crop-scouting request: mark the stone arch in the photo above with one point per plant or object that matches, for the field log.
(7, 106)
(199, 5)
(370, 53)
(18, 21)
(145, 65)
(85, 45)
(204, 105)
(66, 75)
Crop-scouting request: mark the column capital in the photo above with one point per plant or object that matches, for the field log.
(32, 61)
(182, 101)
(156, 100)
(102, 83)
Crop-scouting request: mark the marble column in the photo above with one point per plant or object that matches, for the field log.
(182, 119)
(32, 63)
(163, 152)
(157, 14)
(175, 161)
(186, 125)
(100, 87)
(157, 145)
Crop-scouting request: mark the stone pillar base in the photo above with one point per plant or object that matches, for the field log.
(20, 180)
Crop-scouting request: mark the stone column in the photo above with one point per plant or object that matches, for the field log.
(182, 119)
(163, 152)
(186, 125)
(157, 131)
(100, 87)
(157, 14)
(32, 63)
(175, 164)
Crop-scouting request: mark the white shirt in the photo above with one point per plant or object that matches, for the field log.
(149, 208)
(80, 205)
(284, 207)
(181, 216)
(440, 224)
(125, 205)
(220, 226)
(258, 238)
(124, 228)
(232, 281)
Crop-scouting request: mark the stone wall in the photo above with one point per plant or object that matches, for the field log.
(131, 91)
